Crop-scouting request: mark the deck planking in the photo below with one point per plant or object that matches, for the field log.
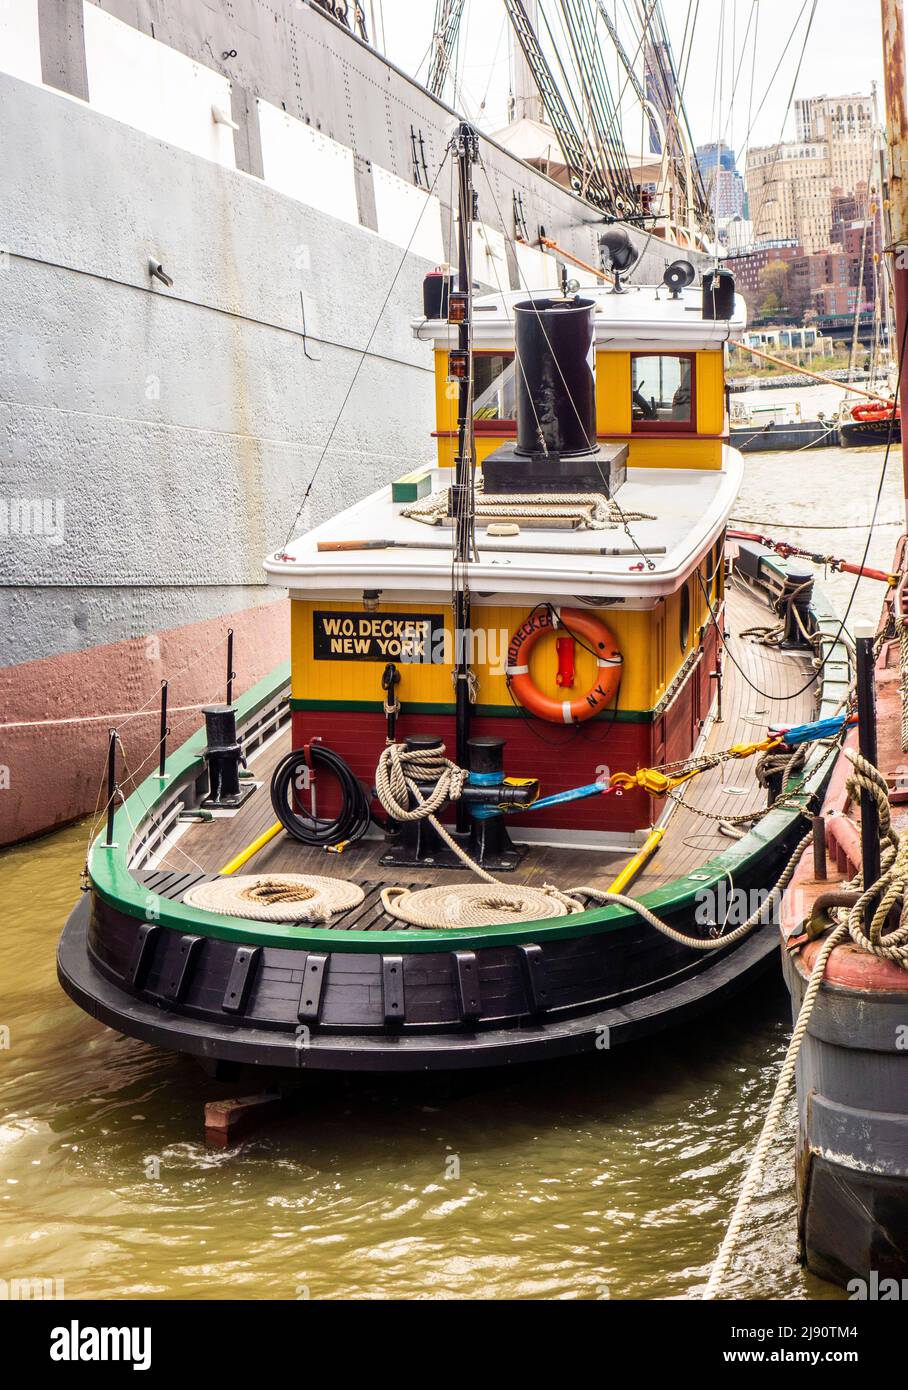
(787, 695)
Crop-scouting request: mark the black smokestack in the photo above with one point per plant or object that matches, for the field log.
(555, 393)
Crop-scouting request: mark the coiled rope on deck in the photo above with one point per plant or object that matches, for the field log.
(456, 904)
(592, 510)
(477, 904)
(276, 897)
(887, 897)
(466, 905)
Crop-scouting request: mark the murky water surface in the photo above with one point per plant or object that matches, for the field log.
(614, 1176)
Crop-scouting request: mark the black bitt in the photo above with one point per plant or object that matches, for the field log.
(555, 449)
(416, 841)
(224, 756)
(794, 607)
(718, 294)
(490, 844)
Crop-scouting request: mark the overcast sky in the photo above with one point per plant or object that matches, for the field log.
(842, 55)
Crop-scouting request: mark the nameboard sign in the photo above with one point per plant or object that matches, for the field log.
(358, 636)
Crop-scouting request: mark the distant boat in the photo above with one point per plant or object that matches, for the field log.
(758, 429)
(869, 423)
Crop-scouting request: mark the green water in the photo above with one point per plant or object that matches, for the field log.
(608, 1177)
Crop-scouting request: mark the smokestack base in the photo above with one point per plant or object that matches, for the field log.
(601, 470)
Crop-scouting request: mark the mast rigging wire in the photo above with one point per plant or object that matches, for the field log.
(365, 351)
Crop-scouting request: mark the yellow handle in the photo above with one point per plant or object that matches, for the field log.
(247, 853)
(633, 866)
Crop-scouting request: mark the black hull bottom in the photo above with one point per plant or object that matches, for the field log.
(390, 1051)
(868, 434)
(852, 1083)
(855, 1226)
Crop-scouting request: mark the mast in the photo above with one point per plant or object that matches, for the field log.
(526, 102)
(466, 152)
(884, 234)
(892, 14)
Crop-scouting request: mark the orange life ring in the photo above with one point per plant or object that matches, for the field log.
(594, 634)
(872, 411)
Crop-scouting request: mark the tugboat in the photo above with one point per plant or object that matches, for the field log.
(519, 686)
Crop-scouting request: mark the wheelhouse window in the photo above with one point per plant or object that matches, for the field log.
(662, 392)
(493, 387)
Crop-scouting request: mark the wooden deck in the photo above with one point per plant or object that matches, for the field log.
(691, 839)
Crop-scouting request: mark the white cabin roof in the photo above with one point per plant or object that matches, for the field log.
(689, 508)
(640, 318)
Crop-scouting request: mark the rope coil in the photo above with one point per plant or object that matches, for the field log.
(276, 897)
(477, 904)
(593, 510)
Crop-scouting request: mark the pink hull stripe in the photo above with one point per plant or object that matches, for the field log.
(50, 772)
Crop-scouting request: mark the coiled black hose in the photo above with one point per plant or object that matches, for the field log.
(351, 822)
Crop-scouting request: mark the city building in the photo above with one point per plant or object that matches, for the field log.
(845, 125)
(736, 235)
(789, 189)
(775, 336)
(792, 187)
(724, 184)
(748, 267)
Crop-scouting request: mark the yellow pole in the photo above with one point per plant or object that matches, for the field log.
(633, 866)
(247, 853)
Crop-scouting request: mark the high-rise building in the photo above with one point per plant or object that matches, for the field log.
(845, 124)
(724, 185)
(789, 190)
(790, 186)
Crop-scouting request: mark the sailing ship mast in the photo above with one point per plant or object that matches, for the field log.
(893, 18)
